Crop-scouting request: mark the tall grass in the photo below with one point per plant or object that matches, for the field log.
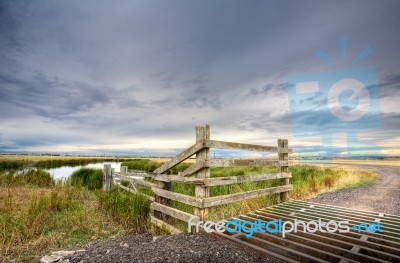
(38, 216)
(88, 177)
(311, 180)
(34, 221)
(130, 210)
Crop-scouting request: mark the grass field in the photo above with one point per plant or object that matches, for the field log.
(38, 215)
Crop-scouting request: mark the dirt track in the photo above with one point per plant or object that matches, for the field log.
(381, 196)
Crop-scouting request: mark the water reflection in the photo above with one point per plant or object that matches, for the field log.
(64, 172)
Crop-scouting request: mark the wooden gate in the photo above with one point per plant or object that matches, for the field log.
(318, 246)
(199, 175)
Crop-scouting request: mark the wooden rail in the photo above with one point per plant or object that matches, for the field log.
(199, 175)
(134, 179)
(222, 180)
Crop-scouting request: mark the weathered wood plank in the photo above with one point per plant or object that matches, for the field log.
(221, 180)
(181, 157)
(244, 178)
(186, 199)
(202, 171)
(126, 188)
(124, 170)
(245, 162)
(283, 144)
(194, 168)
(151, 198)
(135, 180)
(173, 212)
(143, 175)
(226, 199)
(178, 179)
(161, 224)
(107, 174)
(242, 146)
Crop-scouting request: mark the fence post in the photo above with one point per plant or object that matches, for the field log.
(124, 170)
(202, 192)
(283, 156)
(107, 173)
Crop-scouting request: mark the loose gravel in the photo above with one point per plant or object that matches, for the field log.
(172, 248)
(381, 196)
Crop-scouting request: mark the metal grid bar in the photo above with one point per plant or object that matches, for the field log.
(322, 246)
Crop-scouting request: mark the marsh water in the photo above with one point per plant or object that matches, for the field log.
(64, 172)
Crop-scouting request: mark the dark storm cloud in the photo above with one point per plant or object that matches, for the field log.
(390, 86)
(52, 98)
(156, 68)
(273, 90)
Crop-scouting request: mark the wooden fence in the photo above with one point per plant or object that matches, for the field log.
(199, 174)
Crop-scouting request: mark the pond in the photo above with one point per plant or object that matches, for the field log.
(64, 172)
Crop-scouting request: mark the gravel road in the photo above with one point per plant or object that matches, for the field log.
(381, 196)
(173, 248)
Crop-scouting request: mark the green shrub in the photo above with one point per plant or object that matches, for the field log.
(88, 177)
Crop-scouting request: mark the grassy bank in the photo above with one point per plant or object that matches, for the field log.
(38, 215)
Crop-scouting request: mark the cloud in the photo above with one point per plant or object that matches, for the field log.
(100, 75)
(53, 98)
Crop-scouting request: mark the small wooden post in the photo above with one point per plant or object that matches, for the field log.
(124, 169)
(283, 156)
(107, 173)
(202, 192)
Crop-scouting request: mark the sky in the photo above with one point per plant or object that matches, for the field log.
(135, 77)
